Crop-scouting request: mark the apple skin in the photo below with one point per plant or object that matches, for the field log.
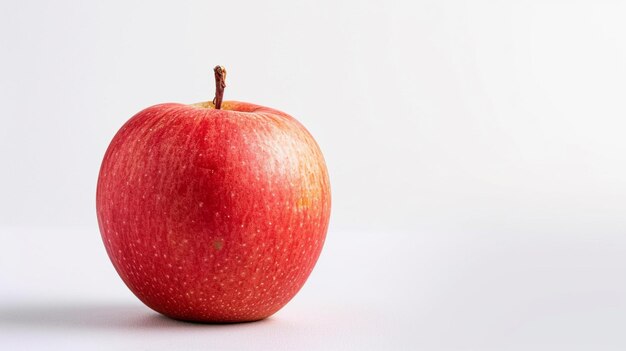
(213, 215)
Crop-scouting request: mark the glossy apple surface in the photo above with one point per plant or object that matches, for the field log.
(213, 215)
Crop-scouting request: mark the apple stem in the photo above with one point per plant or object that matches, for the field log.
(220, 84)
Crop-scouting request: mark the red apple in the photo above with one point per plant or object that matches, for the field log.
(213, 212)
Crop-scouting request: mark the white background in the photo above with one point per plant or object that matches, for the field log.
(477, 154)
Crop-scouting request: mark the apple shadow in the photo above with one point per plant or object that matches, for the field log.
(97, 317)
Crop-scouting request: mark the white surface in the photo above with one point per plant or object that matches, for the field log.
(435, 291)
(476, 151)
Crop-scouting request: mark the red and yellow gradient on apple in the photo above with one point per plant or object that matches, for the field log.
(213, 214)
